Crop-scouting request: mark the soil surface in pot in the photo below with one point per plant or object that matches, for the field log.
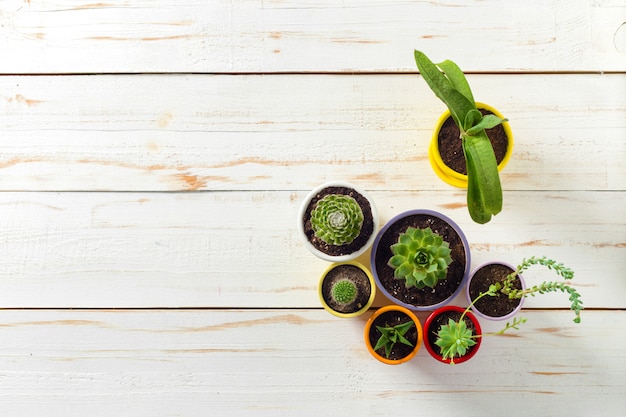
(366, 230)
(500, 304)
(393, 318)
(440, 320)
(353, 274)
(451, 147)
(426, 296)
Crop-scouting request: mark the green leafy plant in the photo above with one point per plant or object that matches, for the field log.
(337, 219)
(420, 257)
(454, 338)
(392, 335)
(344, 291)
(447, 81)
(506, 286)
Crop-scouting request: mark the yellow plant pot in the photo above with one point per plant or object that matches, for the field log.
(446, 173)
(370, 323)
(364, 307)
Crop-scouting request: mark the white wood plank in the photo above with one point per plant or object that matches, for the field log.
(175, 132)
(70, 36)
(241, 249)
(294, 362)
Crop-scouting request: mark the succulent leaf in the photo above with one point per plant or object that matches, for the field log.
(337, 219)
(454, 339)
(389, 336)
(420, 257)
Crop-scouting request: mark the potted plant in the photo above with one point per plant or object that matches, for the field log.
(500, 306)
(338, 221)
(445, 152)
(420, 259)
(454, 341)
(508, 287)
(346, 289)
(452, 334)
(484, 191)
(393, 334)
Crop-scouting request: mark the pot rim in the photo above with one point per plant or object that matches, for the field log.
(446, 173)
(340, 258)
(401, 216)
(477, 311)
(431, 349)
(362, 309)
(418, 325)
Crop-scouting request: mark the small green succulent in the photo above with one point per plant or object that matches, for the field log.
(343, 291)
(420, 257)
(337, 219)
(392, 335)
(454, 339)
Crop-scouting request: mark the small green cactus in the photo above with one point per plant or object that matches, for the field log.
(420, 257)
(344, 291)
(337, 219)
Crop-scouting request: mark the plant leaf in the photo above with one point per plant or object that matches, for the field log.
(443, 88)
(473, 118)
(489, 121)
(457, 78)
(484, 192)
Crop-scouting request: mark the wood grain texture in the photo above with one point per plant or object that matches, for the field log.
(70, 36)
(241, 249)
(293, 362)
(293, 132)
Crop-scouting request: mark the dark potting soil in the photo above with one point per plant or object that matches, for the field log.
(500, 304)
(353, 274)
(440, 320)
(393, 318)
(451, 147)
(426, 296)
(366, 230)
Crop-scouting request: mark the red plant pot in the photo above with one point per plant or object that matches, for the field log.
(430, 334)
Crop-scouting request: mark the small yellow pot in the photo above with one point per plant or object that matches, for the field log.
(446, 173)
(364, 307)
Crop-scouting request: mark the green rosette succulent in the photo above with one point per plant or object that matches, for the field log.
(337, 219)
(344, 291)
(420, 257)
(454, 339)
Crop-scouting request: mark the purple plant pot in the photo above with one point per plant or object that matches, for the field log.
(381, 247)
(486, 316)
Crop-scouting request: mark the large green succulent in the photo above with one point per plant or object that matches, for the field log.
(337, 219)
(420, 257)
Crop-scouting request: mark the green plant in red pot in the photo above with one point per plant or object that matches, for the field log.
(447, 81)
(458, 339)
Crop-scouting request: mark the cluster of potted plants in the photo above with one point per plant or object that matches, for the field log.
(420, 259)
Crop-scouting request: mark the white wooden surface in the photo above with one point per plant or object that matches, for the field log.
(153, 155)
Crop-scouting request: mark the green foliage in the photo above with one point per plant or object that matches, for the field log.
(454, 339)
(337, 219)
(343, 291)
(392, 335)
(420, 257)
(447, 81)
(545, 287)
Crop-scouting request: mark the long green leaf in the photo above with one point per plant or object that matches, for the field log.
(443, 88)
(457, 78)
(487, 122)
(484, 192)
